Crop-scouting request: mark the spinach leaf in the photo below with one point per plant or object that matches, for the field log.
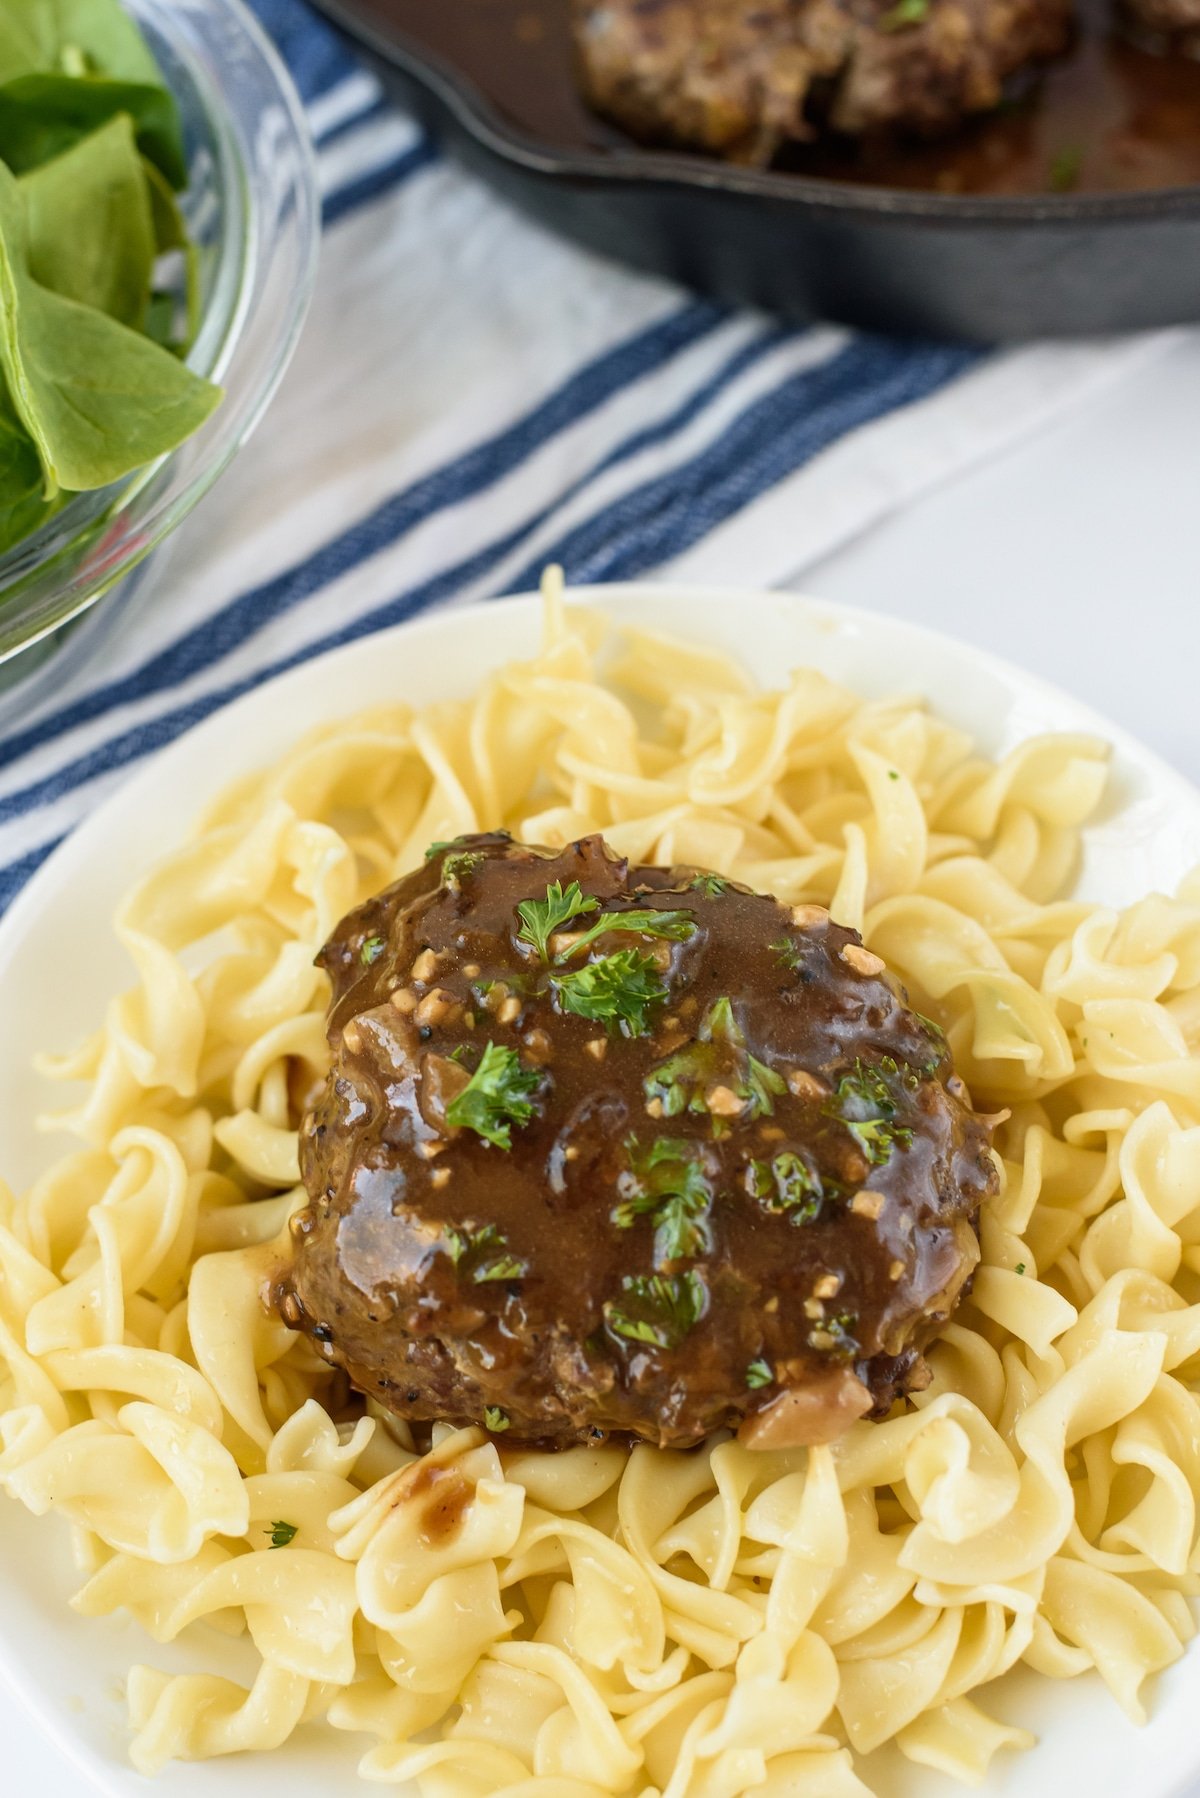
(167, 322)
(23, 506)
(97, 399)
(43, 115)
(66, 67)
(75, 37)
(91, 231)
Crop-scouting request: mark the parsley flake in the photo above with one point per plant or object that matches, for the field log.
(904, 15)
(667, 1182)
(1065, 170)
(758, 1374)
(711, 885)
(658, 1309)
(497, 1096)
(483, 1254)
(540, 918)
(834, 1335)
(456, 867)
(791, 954)
(677, 926)
(786, 1186)
(372, 948)
(617, 989)
(496, 1420)
(718, 1057)
(864, 1102)
(282, 1533)
(436, 848)
(1020, 1267)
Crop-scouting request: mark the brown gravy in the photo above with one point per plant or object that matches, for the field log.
(1112, 117)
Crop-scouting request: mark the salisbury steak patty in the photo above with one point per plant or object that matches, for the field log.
(742, 79)
(626, 1149)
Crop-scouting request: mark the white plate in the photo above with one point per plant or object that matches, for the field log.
(59, 964)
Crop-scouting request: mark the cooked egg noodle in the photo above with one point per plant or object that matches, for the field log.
(703, 1624)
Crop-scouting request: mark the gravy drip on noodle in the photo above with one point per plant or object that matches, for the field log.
(594, 1622)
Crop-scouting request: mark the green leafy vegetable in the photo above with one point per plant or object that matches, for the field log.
(541, 918)
(97, 399)
(282, 1533)
(483, 1254)
(786, 1186)
(718, 1057)
(758, 1374)
(667, 1182)
(497, 1096)
(1066, 169)
(1020, 1267)
(659, 1309)
(904, 15)
(792, 955)
(711, 885)
(866, 1104)
(66, 68)
(456, 867)
(835, 1335)
(617, 989)
(496, 1420)
(91, 229)
(372, 948)
(677, 926)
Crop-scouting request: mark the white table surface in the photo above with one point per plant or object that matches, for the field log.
(1077, 555)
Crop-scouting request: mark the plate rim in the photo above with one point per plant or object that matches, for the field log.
(23, 1681)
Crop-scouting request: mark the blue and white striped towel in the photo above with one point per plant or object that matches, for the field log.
(473, 398)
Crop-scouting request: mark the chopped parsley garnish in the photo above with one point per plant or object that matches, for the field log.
(436, 848)
(617, 989)
(282, 1533)
(718, 1057)
(786, 1185)
(1065, 170)
(540, 918)
(711, 885)
(840, 1328)
(667, 1182)
(904, 15)
(456, 867)
(678, 926)
(791, 954)
(496, 1420)
(759, 1373)
(866, 1104)
(893, 773)
(497, 1096)
(483, 1254)
(659, 1309)
(1020, 1267)
(372, 948)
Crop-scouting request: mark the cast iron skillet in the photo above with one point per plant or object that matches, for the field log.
(881, 242)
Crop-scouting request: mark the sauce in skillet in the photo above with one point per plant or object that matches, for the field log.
(1112, 117)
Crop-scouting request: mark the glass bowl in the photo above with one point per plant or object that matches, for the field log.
(253, 210)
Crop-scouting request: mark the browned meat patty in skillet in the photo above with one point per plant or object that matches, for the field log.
(741, 78)
(633, 1150)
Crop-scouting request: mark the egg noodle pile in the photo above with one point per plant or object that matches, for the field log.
(603, 1622)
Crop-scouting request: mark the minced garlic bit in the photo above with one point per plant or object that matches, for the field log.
(805, 1085)
(807, 917)
(404, 999)
(352, 1037)
(424, 967)
(723, 1102)
(868, 1204)
(814, 1308)
(510, 1011)
(896, 1270)
(440, 1177)
(597, 1047)
(828, 1286)
(862, 960)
